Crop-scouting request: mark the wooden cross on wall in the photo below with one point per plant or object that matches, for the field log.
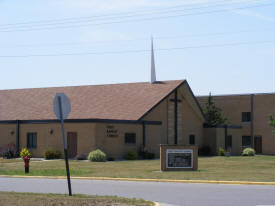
(176, 100)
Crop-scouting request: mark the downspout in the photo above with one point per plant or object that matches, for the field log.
(17, 137)
(252, 119)
(143, 134)
(176, 116)
(225, 138)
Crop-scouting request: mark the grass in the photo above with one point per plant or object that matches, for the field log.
(33, 199)
(257, 168)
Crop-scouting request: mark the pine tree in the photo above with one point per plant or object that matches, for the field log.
(272, 123)
(213, 114)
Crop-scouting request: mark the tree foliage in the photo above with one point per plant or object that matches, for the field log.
(272, 123)
(213, 114)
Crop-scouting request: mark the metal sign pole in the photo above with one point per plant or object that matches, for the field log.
(65, 146)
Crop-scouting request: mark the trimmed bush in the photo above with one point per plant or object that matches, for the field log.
(248, 152)
(221, 152)
(131, 155)
(97, 156)
(52, 154)
(25, 153)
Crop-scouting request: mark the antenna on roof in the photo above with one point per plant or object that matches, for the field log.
(153, 72)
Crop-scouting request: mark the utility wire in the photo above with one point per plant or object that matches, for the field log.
(125, 14)
(140, 50)
(112, 17)
(140, 39)
(137, 20)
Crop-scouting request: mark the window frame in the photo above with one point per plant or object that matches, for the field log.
(193, 138)
(243, 141)
(31, 140)
(130, 135)
(246, 117)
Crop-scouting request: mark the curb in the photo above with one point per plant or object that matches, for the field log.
(148, 180)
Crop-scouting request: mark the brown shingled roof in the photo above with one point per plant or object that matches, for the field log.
(128, 101)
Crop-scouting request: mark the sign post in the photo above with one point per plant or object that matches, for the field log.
(62, 108)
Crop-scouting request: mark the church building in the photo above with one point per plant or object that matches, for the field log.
(117, 118)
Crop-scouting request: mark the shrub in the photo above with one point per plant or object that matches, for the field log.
(221, 152)
(9, 151)
(205, 150)
(97, 156)
(81, 157)
(25, 153)
(52, 154)
(131, 155)
(248, 152)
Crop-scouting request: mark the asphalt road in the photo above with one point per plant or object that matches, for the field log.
(184, 194)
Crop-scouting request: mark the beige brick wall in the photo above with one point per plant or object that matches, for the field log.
(220, 143)
(115, 146)
(190, 121)
(236, 141)
(209, 138)
(231, 106)
(215, 138)
(264, 104)
(171, 120)
(6, 136)
(85, 136)
(157, 134)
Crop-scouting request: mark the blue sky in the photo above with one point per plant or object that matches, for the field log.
(219, 46)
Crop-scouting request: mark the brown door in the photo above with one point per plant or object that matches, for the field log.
(258, 144)
(72, 144)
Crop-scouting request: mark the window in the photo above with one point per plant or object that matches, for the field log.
(130, 138)
(31, 140)
(191, 139)
(246, 116)
(246, 141)
(228, 142)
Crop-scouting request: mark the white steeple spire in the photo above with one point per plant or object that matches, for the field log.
(153, 72)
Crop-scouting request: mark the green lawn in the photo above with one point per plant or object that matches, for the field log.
(33, 199)
(257, 168)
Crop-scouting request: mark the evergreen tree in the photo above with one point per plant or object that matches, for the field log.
(213, 114)
(272, 123)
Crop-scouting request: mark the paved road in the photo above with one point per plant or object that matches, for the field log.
(169, 193)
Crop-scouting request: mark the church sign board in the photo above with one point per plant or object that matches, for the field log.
(178, 157)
